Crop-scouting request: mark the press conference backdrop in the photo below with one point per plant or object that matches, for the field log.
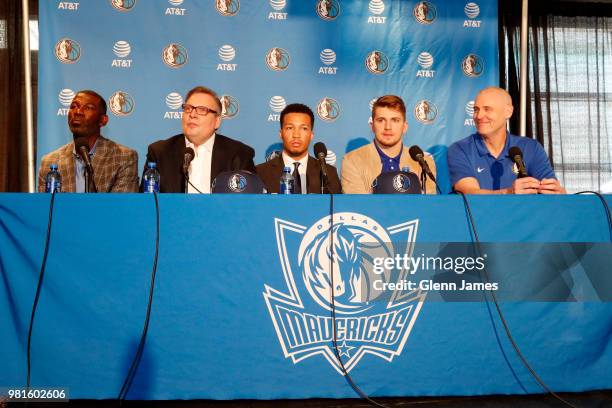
(336, 56)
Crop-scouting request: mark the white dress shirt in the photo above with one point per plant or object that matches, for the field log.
(288, 161)
(199, 169)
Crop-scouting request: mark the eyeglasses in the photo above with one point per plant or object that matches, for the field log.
(200, 110)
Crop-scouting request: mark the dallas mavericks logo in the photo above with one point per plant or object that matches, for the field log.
(121, 103)
(425, 112)
(277, 59)
(367, 322)
(174, 55)
(237, 183)
(229, 107)
(472, 65)
(401, 183)
(328, 109)
(328, 9)
(228, 7)
(67, 51)
(376, 62)
(123, 5)
(424, 12)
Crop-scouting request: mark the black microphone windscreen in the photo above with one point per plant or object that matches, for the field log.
(415, 151)
(320, 149)
(189, 151)
(80, 142)
(515, 151)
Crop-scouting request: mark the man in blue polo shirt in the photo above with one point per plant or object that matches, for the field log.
(479, 164)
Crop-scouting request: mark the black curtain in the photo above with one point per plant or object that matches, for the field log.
(13, 151)
(569, 85)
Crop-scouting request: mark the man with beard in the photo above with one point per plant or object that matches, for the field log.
(296, 124)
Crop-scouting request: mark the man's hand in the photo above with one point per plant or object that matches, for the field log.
(525, 185)
(551, 186)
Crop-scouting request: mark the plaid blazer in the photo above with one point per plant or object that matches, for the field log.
(115, 167)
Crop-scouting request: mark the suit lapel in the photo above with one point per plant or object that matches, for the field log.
(66, 168)
(313, 176)
(101, 164)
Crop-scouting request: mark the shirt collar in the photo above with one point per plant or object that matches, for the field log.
(92, 151)
(383, 156)
(482, 147)
(208, 145)
(288, 161)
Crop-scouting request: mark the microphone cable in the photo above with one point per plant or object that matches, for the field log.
(127, 383)
(41, 276)
(502, 318)
(191, 184)
(345, 373)
(606, 207)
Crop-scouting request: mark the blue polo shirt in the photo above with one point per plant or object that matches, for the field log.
(470, 157)
(389, 164)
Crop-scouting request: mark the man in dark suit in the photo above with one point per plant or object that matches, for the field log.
(214, 153)
(296, 123)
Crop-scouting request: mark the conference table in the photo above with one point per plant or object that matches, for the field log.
(241, 306)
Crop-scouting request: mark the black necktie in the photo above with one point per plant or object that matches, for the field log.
(297, 180)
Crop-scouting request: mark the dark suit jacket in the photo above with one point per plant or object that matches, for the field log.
(271, 171)
(227, 155)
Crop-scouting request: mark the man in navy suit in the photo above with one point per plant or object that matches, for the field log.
(214, 153)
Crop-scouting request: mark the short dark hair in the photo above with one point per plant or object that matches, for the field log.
(207, 91)
(297, 108)
(390, 101)
(101, 101)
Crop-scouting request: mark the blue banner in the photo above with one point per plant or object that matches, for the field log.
(336, 56)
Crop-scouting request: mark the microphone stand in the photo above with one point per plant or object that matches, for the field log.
(423, 181)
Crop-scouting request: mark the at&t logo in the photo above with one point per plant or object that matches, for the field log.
(278, 6)
(121, 103)
(472, 65)
(376, 62)
(367, 321)
(123, 5)
(175, 10)
(229, 107)
(228, 8)
(227, 53)
(328, 109)
(174, 101)
(277, 104)
(472, 11)
(425, 112)
(174, 55)
(277, 59)
(67, 51)
(68, 5)
(424, 12)
(65, 98)
(469, 111)
(122, 49)
(376, 7)
(328, 57)
(425, 60)
(328, 9)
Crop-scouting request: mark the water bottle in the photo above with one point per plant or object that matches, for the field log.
(53, 181)
(151, 178)
(405, 169)
(286, 181)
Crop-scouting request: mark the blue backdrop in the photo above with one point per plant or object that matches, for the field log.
(336, 56)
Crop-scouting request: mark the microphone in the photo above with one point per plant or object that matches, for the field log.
(188, 156)
(320, 152)
(81, 145)
(416, 153)
(516, 155)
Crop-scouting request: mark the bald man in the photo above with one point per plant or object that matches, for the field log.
(480, 164)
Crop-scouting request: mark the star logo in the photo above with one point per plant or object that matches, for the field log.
(344, 350)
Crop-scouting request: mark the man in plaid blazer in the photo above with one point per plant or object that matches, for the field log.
(115, 166)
